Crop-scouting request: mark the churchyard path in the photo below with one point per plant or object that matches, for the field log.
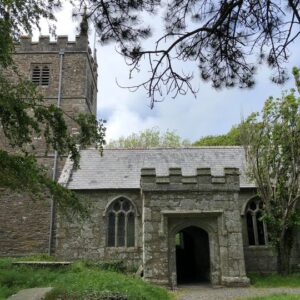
(31, 294)
(201, 292)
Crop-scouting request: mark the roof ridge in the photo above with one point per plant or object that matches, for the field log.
(167, 148)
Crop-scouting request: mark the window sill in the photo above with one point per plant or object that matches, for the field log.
(258, 247)
(122, 249)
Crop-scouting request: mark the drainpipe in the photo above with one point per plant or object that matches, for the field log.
(61, 57)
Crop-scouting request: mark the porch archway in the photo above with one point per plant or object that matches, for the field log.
(192, 255)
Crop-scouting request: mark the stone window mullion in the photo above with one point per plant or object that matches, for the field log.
(123, 224)
(255, 228)
(116, 230)
(126, 226)
(265, 233)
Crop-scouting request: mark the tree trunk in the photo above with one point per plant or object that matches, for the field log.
(284, 249)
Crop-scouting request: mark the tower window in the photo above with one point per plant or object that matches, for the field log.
(256, 228)
(40, 75)
(121, 224)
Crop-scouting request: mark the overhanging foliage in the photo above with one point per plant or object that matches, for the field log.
(272, 146)
(24, 115)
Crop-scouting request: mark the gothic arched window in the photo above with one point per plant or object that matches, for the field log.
(256, 228)
(120, 223)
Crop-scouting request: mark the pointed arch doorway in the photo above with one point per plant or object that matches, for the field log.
(192, 255)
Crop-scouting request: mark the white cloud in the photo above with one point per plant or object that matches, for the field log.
(212, 112)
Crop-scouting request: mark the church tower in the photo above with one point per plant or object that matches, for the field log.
(66, 75)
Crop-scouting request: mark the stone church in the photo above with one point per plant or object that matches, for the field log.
(180, 215)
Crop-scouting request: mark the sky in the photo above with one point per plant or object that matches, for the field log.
(211, 112)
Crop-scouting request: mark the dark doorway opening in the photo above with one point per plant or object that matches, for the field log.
(192, 255)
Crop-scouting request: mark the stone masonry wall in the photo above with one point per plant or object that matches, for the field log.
(174, 202)
(24, 226)
(79, 74)
(88, 239)
(262, 259)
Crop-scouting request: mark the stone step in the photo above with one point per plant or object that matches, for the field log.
(42, 263)
(31, 294)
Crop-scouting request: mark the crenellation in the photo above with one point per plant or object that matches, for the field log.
(148, 172)
(175, 172)
(24, 42)
(231, 171)
(63, 42)
(44, 40)
(44, 44)
(202, 181)
(203, 172)
(204, 175)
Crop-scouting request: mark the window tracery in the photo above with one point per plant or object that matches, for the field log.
(256, 228)
(121, 224)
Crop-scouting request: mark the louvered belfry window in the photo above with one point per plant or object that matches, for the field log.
(121, 224)
(41, 75)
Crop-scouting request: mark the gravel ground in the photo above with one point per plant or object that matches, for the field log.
(222, 293)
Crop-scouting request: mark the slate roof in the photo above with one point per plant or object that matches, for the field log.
(121, 168)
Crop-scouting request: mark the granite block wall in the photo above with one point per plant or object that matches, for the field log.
(24, 228)
(174, 202)
(87, 239)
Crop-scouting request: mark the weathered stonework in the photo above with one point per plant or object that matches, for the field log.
(25, 224)
(87, 239)
(166, 205)
(212, 206)
(204, 201)
(21, 231)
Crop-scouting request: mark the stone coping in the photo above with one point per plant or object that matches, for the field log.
(42, 263)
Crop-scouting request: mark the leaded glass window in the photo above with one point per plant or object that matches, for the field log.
(256, 228)
(121, 224)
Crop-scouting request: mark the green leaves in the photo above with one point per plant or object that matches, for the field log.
(149, 138)
(22, 15)
(23, 173)
(26, 117)
(272, 146)
(232, 138)
(15, 117)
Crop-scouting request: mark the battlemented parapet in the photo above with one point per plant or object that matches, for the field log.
(176, 202)
(45, 45)
(202, 181)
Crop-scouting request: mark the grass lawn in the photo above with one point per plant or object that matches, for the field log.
(275, 280)
(275, 297)
(78, 281)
